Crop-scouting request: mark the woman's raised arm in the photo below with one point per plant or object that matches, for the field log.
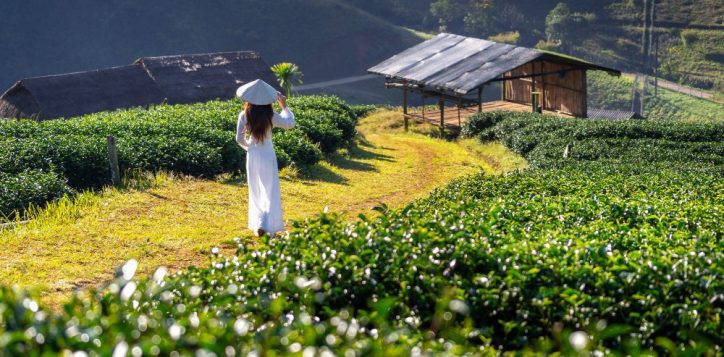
(285, 119)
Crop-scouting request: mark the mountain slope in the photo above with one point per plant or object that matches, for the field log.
(327, 38)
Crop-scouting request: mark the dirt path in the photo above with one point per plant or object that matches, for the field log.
(178, 221)
(675, 87)
(335, 82)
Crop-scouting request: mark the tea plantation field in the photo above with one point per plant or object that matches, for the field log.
(40, 162)
(610, 244)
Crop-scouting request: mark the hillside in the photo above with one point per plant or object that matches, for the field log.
(611, 32)
(327, 38)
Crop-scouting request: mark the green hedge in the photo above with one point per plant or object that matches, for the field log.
(544, 139)
(632, 258)
(31, 187)
(193, 139)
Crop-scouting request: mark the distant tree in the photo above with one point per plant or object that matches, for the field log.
(557, 23)
(481, 19)
(472, 17)
(449, 13)
(287, 74)
(562, 25)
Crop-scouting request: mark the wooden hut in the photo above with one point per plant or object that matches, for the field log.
(204, 77)
(74, 94)
(456, 69)
(150, 80)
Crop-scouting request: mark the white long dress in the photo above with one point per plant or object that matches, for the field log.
(262, 173)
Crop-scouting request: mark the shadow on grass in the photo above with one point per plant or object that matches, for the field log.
(353, 158)
(318, 173)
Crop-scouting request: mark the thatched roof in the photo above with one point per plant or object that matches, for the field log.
(459, 64)
(150, 80)
(203, 77)
(74, 94)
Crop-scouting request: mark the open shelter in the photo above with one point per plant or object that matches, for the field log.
(456, 69)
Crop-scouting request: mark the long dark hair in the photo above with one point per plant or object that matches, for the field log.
(258, 120)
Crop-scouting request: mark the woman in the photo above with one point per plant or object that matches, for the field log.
(257, 120)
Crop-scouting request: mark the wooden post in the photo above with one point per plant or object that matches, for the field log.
(460, 104)
(423, 107)
(404, 107)
(441, 104)
(480, 99)
(542, 97)
(113, 159)
(532, 88)
(585, 94)
(502, 87)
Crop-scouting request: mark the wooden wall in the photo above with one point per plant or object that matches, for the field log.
(567, 94)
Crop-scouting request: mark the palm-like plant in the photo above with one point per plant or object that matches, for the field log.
(287, 74)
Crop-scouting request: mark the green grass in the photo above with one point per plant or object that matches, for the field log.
(676, 106)
(615, 93)
(697, 59)
(174, 220)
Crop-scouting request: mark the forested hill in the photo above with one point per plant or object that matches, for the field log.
(327, 38)
(690, 34)
(337, 38)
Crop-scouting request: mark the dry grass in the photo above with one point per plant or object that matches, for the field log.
(174, 221)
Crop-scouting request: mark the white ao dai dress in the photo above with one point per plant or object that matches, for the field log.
(262, 173)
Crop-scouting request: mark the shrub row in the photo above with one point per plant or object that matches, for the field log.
(191, 139)
(544, 139)
(31, 187)
(631, 260)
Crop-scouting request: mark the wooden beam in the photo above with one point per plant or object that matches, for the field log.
(537, 75)
(532, 88)
(542, 97)
(423, 107)
(414, 89)
(502, 89)
(480, 99)
(441, 104)
(404, 107)
(585, 96)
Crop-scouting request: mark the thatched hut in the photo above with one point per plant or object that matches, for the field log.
(204, 77)
(150, 80)
(74, 94)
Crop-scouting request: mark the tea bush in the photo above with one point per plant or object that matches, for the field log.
(629, 258)
(553, 141)
(29, 187)
(294, 144)
(602, 253)
(193, 139)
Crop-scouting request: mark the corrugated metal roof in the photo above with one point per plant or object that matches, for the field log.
(612, 114)
(460, 64)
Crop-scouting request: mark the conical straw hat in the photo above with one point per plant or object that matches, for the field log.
(257, 92)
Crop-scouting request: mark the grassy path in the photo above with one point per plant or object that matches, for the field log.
(175, 221)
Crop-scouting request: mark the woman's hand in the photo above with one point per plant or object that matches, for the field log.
(282, 100)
